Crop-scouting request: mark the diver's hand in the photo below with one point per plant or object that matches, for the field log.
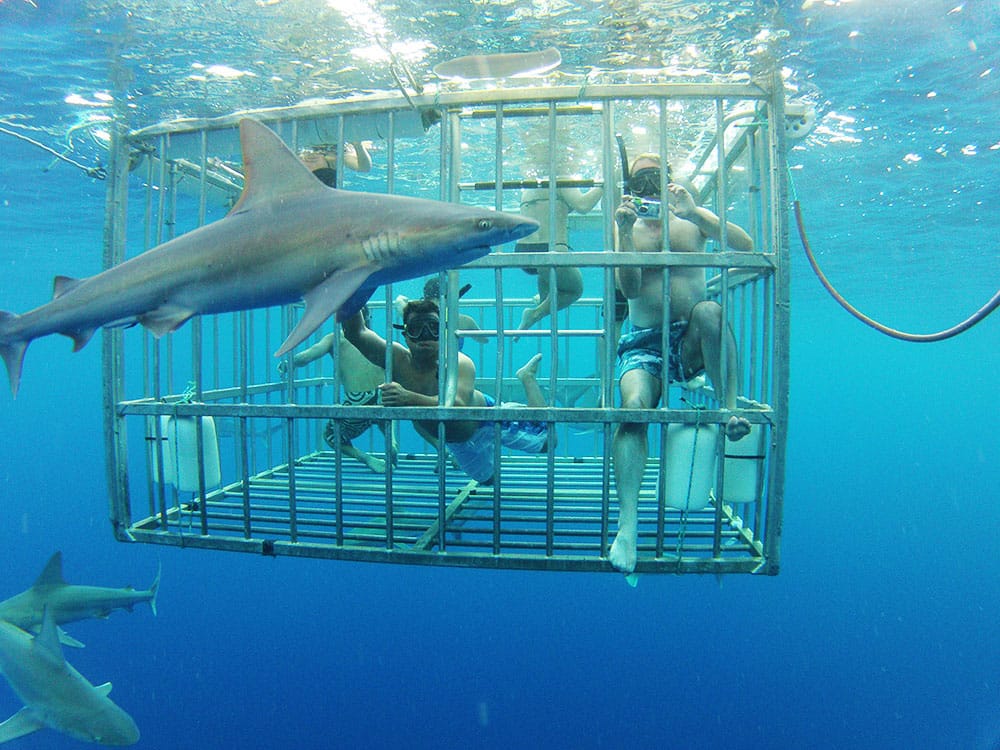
(625, 214)
(682, 205)
(283, 368)
(393, 394)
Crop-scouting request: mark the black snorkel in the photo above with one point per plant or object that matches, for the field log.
(623, 155)
(645, 208)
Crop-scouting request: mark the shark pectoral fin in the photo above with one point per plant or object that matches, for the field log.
(323, 301)
(165, 319)
(23, 722)
(104, 689)
(355, 303)
(67, 640)
(12, 353)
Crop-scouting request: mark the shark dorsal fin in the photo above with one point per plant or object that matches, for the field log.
(52, 572)
(46, 643)
(270, 169)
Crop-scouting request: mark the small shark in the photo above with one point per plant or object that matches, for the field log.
(289, 237)
(56, 695)
(69, 603)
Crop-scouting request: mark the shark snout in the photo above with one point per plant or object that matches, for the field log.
(521, 226)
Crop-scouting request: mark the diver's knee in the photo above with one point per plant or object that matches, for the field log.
(706, 313)
(636, 401)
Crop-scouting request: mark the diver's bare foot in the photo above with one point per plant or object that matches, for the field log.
(737, 428)
(530, 368)
(622, 554)
(528, 319)
(375, 464)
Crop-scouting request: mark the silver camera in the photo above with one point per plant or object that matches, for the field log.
(645, 208)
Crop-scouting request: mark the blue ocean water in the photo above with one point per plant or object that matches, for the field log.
(880, 631)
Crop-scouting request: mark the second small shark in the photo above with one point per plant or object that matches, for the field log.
(55, 695)
(68, 602)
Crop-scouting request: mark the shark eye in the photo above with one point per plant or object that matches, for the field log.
(484, 224)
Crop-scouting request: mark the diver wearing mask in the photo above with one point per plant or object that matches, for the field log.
(695, 325)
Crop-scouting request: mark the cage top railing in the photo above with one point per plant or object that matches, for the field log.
(385, 102)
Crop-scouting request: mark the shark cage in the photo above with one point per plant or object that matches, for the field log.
(211, 444)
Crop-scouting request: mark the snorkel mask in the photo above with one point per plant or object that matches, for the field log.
(422, 327)
(643, 185)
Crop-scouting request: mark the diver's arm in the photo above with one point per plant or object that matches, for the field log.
(322, 347)
(628, 278)
(581, 202)
(683, 206)
(466, 389)
(357, 157)
(364, 339)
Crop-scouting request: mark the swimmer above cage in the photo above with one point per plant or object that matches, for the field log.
(215, 443)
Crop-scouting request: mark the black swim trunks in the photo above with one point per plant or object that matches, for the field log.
(536, 247)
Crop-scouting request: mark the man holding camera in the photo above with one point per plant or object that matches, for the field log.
(696, 326)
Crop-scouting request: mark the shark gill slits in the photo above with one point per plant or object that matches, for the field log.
(382, 246)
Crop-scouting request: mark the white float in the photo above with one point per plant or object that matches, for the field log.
(742, 466)
(180, 452)
(689, 474)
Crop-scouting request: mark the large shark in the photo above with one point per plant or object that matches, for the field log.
(289, 237)
(54, 694)
(69, 603)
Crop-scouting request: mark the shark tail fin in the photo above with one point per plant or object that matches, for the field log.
(12, 353)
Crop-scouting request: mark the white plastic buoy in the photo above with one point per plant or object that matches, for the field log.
(742, 466)
(687, 487)
(800, 119)
(180, 452)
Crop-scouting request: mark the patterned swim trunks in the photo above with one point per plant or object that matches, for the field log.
(640, 349)
(352, 428)
(475, 455)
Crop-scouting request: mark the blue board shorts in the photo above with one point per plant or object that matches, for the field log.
(475, 455)
(640, 349)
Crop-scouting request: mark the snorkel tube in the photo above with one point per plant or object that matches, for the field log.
(623, 155)
(645, 208)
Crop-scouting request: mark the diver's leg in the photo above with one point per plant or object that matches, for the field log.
(528, 375)
(640, 390)
(375, 464)
(702, 347)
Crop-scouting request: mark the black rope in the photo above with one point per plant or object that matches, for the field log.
(965, 325)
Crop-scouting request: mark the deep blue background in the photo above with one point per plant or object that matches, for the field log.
(881, 630)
